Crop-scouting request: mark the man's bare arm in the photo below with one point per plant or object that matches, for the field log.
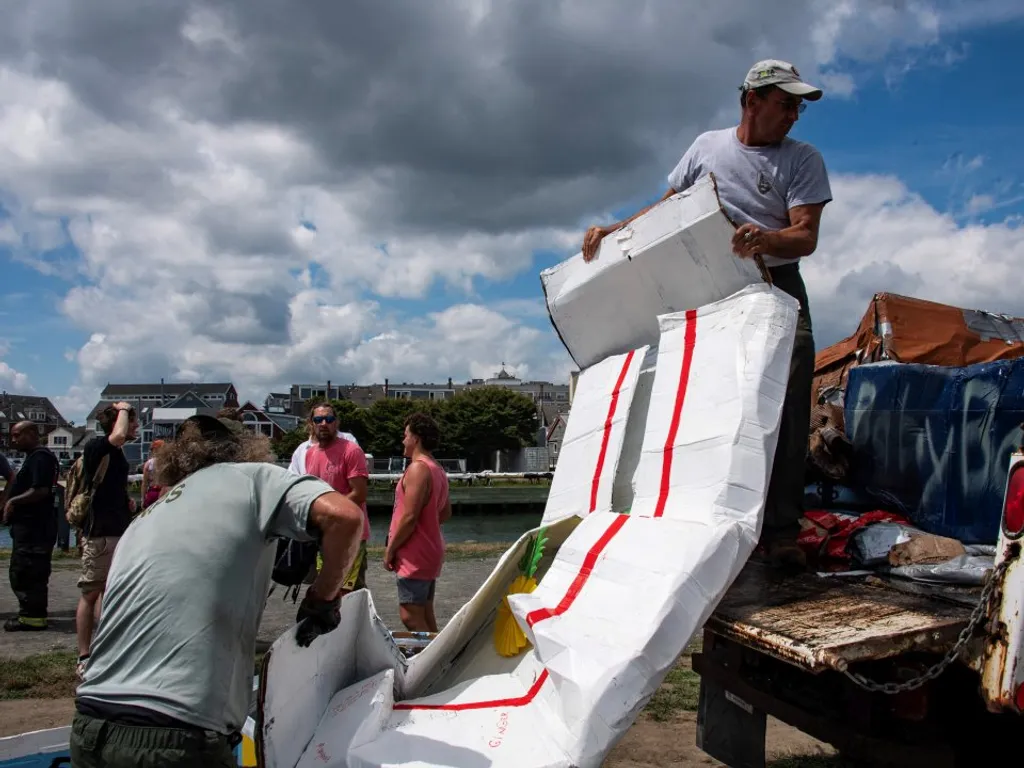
(593, 237)
(359, 490)
(119, 434)
(799, 239)
(341, 527)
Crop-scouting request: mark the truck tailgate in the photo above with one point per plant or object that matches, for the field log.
(829, 623)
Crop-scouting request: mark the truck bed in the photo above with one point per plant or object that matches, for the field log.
(828, 623)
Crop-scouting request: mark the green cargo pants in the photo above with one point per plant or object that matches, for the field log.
(784, 506)
(99, 743)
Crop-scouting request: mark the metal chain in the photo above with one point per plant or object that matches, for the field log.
(980, 612)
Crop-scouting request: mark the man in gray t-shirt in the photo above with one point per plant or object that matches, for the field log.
(774, 188)
(174, 650)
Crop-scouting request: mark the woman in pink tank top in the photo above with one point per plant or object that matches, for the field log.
(415, 549)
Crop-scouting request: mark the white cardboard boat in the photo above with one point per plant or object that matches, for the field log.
(654, 508)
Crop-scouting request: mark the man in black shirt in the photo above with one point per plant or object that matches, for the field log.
(31, 513)
(111, 512)
(7, 475)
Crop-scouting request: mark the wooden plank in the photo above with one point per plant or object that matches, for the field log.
(827, 623)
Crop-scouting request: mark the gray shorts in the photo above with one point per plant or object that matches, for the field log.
(415, 591)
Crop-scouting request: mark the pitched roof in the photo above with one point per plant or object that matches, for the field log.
(99, 407)
(188, 399)
(169, 389)
(15, 408)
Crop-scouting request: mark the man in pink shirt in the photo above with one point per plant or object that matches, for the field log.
(342, 465)
(415, 550)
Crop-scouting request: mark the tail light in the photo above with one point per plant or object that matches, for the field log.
(1013, 514)
(1020, 698)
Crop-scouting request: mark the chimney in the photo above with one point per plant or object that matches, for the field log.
(385, 386)
(450, 386)
(329, 390)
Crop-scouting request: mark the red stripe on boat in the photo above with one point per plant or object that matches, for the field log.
(690, 341)
(521, 701)
(596, 482)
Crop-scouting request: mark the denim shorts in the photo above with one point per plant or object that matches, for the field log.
(415, 591)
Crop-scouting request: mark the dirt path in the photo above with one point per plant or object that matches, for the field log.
(648, 744)
(673, 744)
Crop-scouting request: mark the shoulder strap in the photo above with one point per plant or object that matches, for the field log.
(98, 475)
(101, 470)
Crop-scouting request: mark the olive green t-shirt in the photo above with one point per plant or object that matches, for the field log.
(186, 592)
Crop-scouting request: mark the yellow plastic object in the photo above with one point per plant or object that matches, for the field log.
(509, 639)
(248, 750)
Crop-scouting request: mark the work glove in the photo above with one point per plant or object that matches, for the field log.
(316, 617)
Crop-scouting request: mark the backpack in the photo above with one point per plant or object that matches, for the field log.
(78, 493)
(294, 564)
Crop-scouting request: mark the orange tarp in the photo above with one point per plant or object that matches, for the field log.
(909, 330)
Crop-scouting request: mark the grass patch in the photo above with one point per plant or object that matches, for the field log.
(71, 554)
(455, 552)
(678, 693)
(60, 561)
(43, 676)
(809, 761)
(49, 676)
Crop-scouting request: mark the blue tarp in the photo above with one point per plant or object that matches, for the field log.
(936, 441)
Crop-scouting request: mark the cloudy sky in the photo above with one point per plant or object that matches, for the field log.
(270, 192)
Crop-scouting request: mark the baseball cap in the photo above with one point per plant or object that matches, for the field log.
(781, 74)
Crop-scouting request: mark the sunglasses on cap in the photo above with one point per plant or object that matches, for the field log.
(324, 419)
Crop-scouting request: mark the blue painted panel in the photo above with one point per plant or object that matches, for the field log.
(936, 441)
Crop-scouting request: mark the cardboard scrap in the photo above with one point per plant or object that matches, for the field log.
(925, 549)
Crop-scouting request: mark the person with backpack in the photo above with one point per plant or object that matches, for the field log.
(169, 679)
(342, 464)
(103, 510)
(29, 510)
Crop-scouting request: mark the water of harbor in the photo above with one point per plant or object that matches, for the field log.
(493, 525)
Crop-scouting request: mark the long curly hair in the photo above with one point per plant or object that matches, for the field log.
(192, 451)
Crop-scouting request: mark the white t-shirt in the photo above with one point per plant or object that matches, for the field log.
(756, 185)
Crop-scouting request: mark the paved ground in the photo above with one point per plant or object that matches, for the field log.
(458, 583)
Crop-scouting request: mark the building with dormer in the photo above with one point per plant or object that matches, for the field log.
(161, 407)
(34, 408)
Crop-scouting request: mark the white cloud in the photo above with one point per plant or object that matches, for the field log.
(14, 381)
(256, 193)
(879, 236)
(979, 204)
(838, 84)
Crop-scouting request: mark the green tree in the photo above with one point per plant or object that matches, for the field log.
(285, 445)
(385, 425)
(483, 420)
(352, 418)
